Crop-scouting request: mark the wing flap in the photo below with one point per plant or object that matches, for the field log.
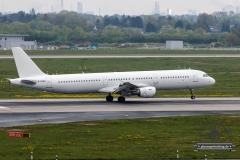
(110, 89)
(126, 86)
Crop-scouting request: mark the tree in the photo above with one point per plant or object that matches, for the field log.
(200, 31)
(152, 19)
(32, 11)
(204, 21)
(73, 22)
(137, 22)
(137, 36)
(189, 27)
(41, 25)
(106, 21)
(114, 21)
(5, 29)
(226, 26)
(205, 18)
(179, 24)
(22, 17)
(233, 40)
(236, 30)
(99, 25)
(170, 20)
(150, 28)
(4, 19)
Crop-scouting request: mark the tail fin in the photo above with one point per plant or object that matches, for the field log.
(25, 66)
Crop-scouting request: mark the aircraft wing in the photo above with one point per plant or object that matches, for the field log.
(125, 86)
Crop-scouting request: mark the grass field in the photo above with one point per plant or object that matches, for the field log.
(224, 70)
(124, 51)
(151, 138)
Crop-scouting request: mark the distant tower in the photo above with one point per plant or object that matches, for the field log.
(237, 10)
(80, 11)
(169, 12)
(156, 9)
(62, 4)
(2, 7)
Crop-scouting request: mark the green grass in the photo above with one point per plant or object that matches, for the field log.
(123, 51)
(151, 138)
(224, 70)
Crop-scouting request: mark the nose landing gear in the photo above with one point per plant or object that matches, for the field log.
(192, 93)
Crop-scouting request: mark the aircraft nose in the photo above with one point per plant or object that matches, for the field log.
(212, 81)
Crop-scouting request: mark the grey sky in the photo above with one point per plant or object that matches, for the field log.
(110, 7)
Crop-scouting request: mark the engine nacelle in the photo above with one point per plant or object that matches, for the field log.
(146, 92)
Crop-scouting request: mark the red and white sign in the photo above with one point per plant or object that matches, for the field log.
(15, 134)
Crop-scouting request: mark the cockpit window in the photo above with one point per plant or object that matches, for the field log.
(205, 75)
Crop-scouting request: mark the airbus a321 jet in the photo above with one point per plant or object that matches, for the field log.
(141, 83)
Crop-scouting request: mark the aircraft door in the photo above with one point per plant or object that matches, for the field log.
(155, 79)
(49, 82)
(195, 76)
(105, 81)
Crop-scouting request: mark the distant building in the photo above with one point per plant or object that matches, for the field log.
(80, 10)
(192, 12)
(174, 44)
(237, 10)
(169, 12)
(228, 8)
(7, 41)
(214, 29)
(90, 12)
(61, 4)
(156, 9)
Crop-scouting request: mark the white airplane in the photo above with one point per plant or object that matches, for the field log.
(141, 83)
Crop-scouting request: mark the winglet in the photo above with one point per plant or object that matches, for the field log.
(25, 66)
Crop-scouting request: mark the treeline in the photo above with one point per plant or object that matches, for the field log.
(72, 28)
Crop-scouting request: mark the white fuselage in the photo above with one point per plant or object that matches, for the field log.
(93, 83)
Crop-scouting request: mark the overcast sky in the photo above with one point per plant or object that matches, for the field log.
(110, 7)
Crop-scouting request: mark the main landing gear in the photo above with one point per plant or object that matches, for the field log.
(192, 94)
(109, 98)
(121, 99)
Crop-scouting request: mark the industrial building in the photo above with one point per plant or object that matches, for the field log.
(174, 44)
(7, 41)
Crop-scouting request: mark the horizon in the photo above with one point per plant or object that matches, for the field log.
(112, 7)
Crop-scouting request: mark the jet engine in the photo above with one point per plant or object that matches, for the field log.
(145, 92)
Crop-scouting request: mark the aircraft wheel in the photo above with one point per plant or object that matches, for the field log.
(121, 99)
(109, 98)
(192, 97)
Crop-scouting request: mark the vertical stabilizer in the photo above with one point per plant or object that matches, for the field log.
(25, 66)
